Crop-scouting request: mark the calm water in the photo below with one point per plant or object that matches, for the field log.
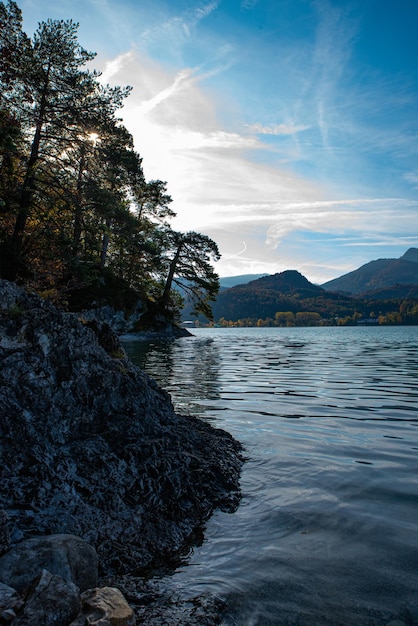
(327, 531)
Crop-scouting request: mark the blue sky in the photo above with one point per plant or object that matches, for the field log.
(287, 130)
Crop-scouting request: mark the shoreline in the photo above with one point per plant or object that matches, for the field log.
(93, 448)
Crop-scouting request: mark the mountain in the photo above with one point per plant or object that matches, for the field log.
(288, 282)
(230, 281)
(378, 275)
(411, 255)
(287, 291)
(378, 289)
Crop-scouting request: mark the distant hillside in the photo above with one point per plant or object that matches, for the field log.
(395, 292)
(378, 275)
(384, 291)
(230, 281)
(288, 291)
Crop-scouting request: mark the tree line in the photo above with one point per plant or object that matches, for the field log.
(386, 313)
(76, 212)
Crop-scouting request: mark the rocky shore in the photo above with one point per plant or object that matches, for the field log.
(93, 457)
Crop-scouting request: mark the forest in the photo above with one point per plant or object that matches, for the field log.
(289, 299)
(79, 223)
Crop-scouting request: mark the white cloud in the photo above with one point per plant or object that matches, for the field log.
(115, 66)
(181, 79)
(277, 129)
(364, 217)
(412, 178)
(255, 210)
(180, 26)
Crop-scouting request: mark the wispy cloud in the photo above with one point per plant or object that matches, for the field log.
(181, 80)
(179, 26)
(115, 66)
(334, 38)
(277, 129)
(361, 216)
(412, 178)
(248, 4)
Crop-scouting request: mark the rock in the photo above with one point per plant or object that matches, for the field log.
(105, 607)
(203, 610)
(4, 532)
(162, 602)
(66, 556)
(9, 598)
(107, 338)
(412, 613)
(91, 446)
(7, 616)
(119, 321)
(51, 601)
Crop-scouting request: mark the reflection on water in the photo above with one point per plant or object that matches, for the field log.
(327, 532)
(188, 368)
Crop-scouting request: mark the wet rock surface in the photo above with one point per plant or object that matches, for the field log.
(50, 601)
(91, 446)
(159, 603)
(66, 556)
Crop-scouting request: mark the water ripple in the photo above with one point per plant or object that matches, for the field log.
(327, 529)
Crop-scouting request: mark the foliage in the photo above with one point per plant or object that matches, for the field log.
(77, 217)
(285, 300)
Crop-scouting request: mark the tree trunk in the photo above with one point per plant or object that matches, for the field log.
(105, 245)
(78, 205)
(171, 272)
(28, 183)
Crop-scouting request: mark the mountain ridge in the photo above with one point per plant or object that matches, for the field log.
(381, 274)
(377, 275)
(288, 291)
(375, 290)
(383, 288)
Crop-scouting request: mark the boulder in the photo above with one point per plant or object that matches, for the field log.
(66, 556)
(51, 601)
(105, 606)
(10, 603)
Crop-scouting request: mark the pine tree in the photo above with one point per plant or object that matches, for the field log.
(189, 265)
(76, 211)
(56, 100)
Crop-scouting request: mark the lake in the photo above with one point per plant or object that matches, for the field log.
(327, 530)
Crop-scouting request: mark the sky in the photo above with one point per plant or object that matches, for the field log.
(286, 130)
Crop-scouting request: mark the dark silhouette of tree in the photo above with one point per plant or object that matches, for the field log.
(76, 212)
(54, 97)
(189, 263)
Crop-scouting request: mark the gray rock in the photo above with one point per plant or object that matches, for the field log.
(91, 446)
(7, 616)
(4, 532)
(9, 597)
(412, 613)
(66, 556)
(118, 321)
(52, 601)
